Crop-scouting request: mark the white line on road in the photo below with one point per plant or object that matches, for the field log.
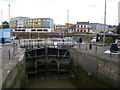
(108, 51)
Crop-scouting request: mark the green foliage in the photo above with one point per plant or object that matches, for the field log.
(5, 24)
(118, 29)
(109, 40)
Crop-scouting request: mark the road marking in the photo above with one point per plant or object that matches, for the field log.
(108, 51)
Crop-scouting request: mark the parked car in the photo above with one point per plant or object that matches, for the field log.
(118, 43)
(114, 48)
(94, 39)
(79, 40)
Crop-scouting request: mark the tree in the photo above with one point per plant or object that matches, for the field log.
(5, 24)
(118, 29)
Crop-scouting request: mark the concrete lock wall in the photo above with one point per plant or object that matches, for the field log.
(96, 66)
(17, 76)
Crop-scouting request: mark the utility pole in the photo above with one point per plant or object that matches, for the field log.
(9, 12)
(1, 19)
(104, 25)
(67, 18)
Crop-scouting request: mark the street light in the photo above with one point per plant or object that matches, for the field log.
(104, 25)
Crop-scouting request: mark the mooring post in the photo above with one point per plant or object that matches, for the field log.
(110, 54)
(9, 54)
(96, 49)
(86, 47)
(79, 45)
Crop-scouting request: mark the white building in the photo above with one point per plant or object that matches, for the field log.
(26, 24)
(19, 21)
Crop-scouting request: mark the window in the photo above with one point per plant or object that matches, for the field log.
(43, 19)
(23, 29)
(39, 20)
(30, 20)
(39, 30)
(45, 30)
(39, 23)
(33, 30)
(19, 29)
(31, 23)
(47, 20)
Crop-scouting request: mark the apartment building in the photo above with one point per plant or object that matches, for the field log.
(17, 22)
(26, 24)
(59, 28)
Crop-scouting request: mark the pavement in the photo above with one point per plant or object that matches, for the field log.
(100, 51)
(7, 60)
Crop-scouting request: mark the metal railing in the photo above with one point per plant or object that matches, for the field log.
(54, 42)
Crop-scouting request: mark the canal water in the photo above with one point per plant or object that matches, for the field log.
(80, 79)
(50, 81)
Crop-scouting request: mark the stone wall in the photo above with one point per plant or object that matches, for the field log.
(96, 66)
(17, 76)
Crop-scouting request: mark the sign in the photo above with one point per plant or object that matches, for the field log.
(6, 34)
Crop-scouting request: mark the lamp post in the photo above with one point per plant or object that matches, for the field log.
(1, 28)
(104, 25)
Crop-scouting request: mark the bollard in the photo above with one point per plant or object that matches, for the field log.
(38, 46)
(96, 49)
(90, 46)
(110, 54)
(79, 45)
(9, 54)
(86, 47)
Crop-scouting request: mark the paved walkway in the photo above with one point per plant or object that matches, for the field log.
(99, 51)
(6, 62)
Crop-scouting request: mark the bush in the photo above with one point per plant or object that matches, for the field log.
(109, 40)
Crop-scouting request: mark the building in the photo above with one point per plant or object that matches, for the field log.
(26, 24)
(59, 28)
(5, 34)
(72, 29)
(17, 22)
(119, 12)
(80, 27)
(68, 25)
(98, 27)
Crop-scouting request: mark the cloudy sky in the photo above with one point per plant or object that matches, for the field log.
(79, 10)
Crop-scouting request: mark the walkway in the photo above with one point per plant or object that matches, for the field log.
(100, 51)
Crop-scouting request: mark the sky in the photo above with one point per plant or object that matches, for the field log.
(79, 10)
